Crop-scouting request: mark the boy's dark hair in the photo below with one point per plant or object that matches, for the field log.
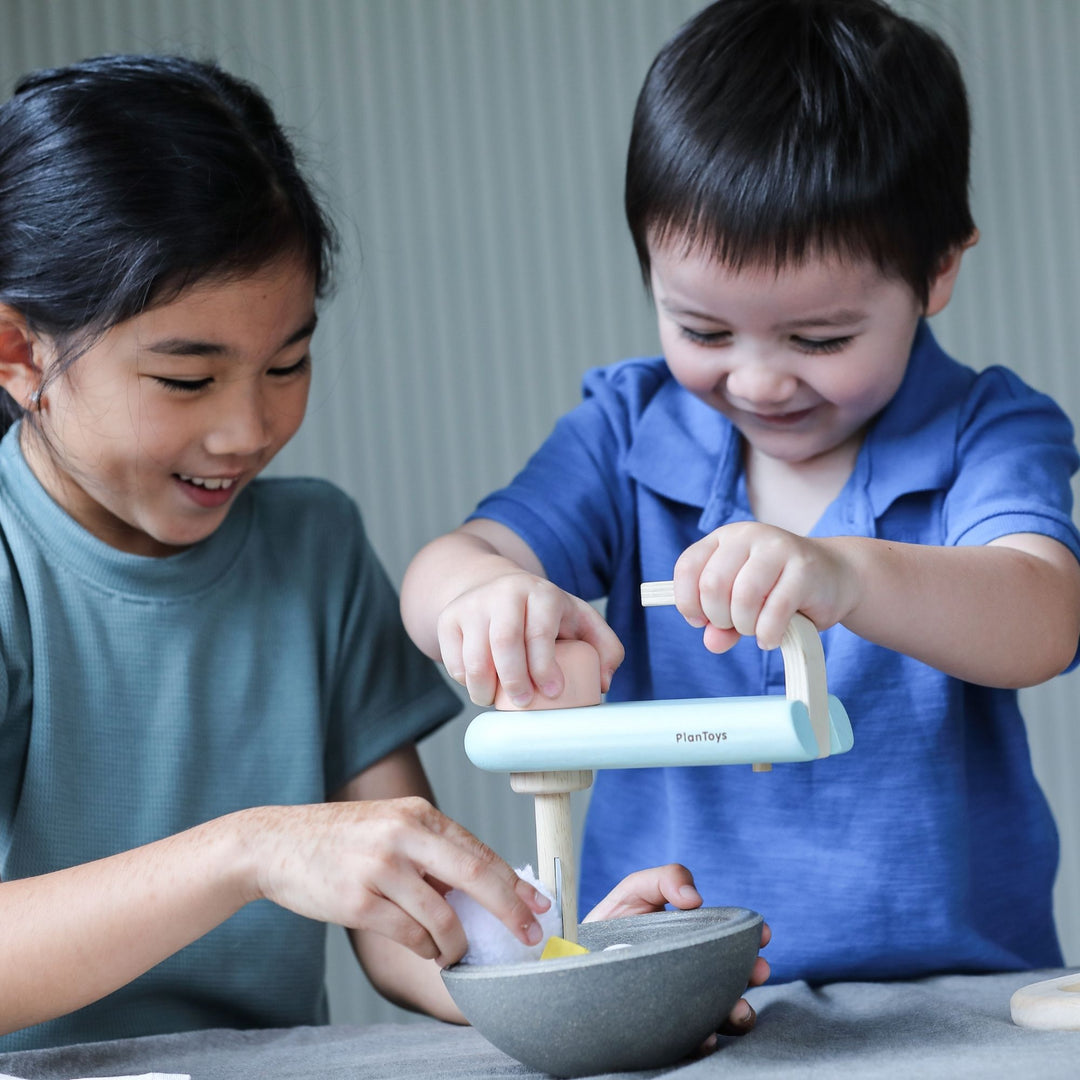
(770, 130)
(124, 179)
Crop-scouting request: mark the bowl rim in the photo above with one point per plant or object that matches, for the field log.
(735, 920)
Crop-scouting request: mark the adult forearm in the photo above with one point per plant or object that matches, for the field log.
(995, 615)
(70, 937)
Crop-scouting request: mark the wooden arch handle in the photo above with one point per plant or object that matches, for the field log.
(804, 665)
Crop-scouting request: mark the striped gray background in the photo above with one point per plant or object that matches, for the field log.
(472, 151)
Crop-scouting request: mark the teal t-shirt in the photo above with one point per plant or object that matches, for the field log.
(141, 696)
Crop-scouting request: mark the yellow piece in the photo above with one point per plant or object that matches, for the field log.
(558, 947)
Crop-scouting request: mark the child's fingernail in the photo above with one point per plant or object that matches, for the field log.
(533, 933)
(550, 690)
(521, 699)
(742, 1013)
(688, 892)
(697, 623)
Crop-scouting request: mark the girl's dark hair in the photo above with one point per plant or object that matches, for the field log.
(124, 179)
(769, 130)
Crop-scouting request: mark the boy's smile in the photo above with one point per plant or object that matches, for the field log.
(150, 434)
(800, 360)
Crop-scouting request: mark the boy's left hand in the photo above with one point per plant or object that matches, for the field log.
(650, 890)
(749, 579)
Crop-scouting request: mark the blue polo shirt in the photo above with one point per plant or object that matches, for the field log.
(929, 847)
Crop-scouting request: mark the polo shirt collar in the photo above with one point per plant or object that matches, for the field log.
(688, 452)
(912, 444)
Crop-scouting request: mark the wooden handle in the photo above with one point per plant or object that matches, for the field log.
(804, 676)
(555, 835)
(657, 593)
(804, 665)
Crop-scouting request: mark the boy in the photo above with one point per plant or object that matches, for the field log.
(797, 192)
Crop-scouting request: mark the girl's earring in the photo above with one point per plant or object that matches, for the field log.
(35, 399)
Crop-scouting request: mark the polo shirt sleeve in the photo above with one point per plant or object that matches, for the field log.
(571, 503)
(386, 693)
(1015, 457)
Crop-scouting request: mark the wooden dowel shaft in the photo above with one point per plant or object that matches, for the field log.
(555, 840)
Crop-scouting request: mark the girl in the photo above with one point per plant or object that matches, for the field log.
(206, 698)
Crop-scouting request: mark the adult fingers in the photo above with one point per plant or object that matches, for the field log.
(406, 851)
(455, 857)
(406, 916)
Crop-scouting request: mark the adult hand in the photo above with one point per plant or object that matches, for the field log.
(385, 865)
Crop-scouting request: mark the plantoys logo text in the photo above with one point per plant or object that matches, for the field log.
(700, 736)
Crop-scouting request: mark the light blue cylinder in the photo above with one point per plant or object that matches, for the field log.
(652, 734)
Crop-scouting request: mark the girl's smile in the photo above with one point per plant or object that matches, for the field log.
(148, 437)
(209, 492)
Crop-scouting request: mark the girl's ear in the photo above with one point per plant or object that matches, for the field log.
(941, 286)
(20, 376)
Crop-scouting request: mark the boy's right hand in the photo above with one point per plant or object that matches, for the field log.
(478, 600)
(503, 633)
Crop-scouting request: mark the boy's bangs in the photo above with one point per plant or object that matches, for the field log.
(755, 226)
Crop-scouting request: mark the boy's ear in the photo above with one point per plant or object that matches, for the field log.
(941, 286)
(20, 375)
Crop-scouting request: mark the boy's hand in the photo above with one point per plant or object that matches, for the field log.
(749, 579)
(504, 631)
(648, 890)
(652, 889)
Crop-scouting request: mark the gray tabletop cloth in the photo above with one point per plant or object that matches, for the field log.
(952, 1026)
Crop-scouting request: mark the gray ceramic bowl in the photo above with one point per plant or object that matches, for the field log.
(641, 1007)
